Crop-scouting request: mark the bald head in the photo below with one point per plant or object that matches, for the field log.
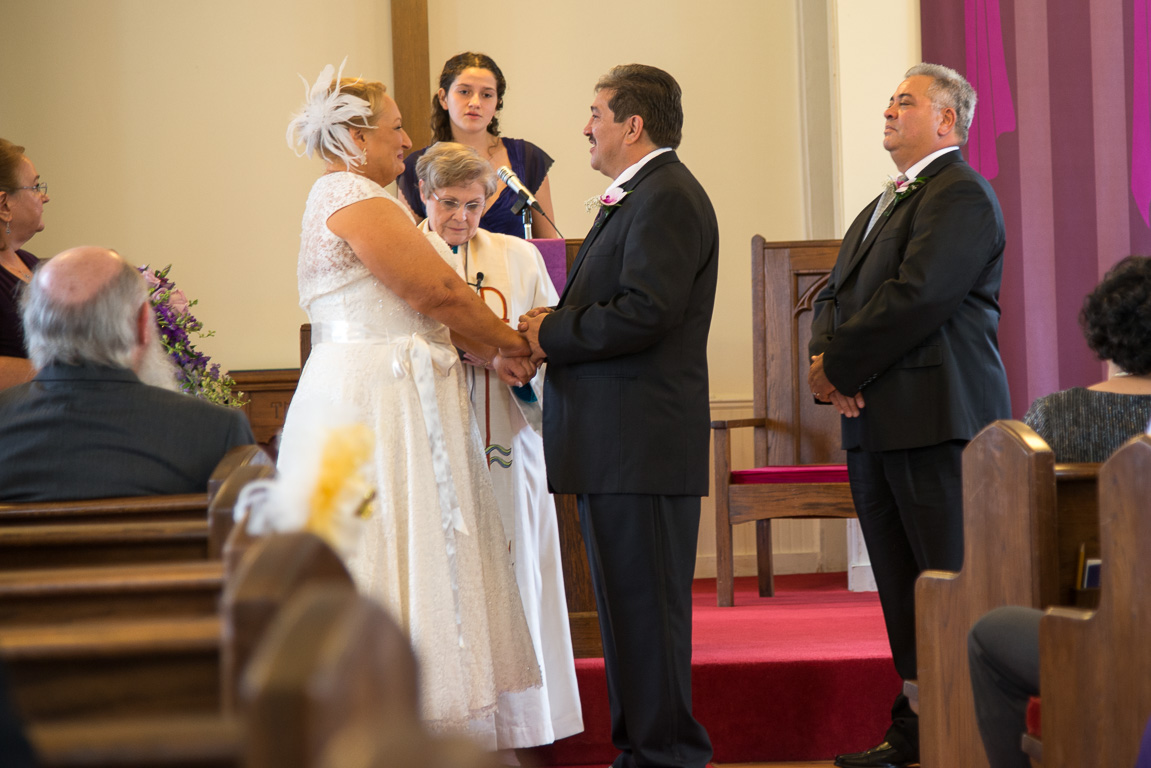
(86, 306)
(77, 275)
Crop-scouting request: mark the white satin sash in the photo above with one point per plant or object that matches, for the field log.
(412, 355)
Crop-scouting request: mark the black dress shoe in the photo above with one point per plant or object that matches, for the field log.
(883, 756)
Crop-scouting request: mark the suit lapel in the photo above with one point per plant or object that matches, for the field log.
(932, 169)
(860, 244)
(606, 214)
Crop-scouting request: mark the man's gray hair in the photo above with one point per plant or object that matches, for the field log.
(949, 89)
(100, 331)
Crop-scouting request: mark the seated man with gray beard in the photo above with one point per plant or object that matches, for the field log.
(99, 419)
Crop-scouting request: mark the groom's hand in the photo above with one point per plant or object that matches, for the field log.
(530, 327)
(535, 312)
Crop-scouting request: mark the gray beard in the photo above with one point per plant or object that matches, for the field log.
(156, 369)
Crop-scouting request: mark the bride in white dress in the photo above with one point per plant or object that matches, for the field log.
(386, 308)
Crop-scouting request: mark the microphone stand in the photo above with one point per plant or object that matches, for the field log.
(521, 206)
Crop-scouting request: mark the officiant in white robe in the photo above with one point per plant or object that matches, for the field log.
(511, 277)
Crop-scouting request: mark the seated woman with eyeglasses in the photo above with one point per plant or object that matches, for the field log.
(22, 199)
(509, 274)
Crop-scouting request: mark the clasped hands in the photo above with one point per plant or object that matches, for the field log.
(517, 365)
(825, 391)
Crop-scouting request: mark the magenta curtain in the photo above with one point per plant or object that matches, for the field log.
(1063, 130)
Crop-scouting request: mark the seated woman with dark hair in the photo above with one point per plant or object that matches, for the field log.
(1082, 424)
(1089, 424)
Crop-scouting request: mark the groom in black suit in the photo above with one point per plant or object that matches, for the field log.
(904, 344)
(626, 407)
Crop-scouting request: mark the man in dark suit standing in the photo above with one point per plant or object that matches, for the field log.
(89, 425)
(626, 407)
(904, 344)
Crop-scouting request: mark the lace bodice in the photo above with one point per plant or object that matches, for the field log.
(334, 284)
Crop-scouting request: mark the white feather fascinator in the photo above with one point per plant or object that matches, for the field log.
(319, 126)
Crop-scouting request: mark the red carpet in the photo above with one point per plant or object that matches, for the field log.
(804, 675)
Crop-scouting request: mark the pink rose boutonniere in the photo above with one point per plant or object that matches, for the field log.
(905, 189)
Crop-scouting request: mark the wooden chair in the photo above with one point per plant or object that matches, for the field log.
(1024, 519)
(792, 432)
(1095, 669)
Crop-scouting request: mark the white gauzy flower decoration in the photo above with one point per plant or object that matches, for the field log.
(319, 125)
(324, 483)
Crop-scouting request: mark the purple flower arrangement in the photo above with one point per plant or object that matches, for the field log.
(176, 325)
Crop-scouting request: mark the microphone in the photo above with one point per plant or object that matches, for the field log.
(508, 176)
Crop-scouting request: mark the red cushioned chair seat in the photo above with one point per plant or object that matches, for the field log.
(808, 473)
(1033, 720)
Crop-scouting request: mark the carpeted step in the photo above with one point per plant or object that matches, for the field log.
(803, 675)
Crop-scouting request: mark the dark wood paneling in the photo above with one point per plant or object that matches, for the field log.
(269, 395)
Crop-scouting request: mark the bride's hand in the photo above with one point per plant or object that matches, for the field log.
(477, 361)
(513, 371)
(520, 348)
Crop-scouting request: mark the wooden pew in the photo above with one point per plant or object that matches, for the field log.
(187, 741)
(112, 589)
(1095, 668)
(48, 597)
(146, 666)
(184, 506)
(273, 571)
(330, 658)
(125, 530)
(353, 655)
(87, 544)
(1024, 519)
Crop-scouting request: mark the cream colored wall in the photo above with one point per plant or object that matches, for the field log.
(737, 64)
(874, 42)
(159, 127)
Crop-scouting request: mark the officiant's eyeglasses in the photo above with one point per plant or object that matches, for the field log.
(41, 188)
(473, 208)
